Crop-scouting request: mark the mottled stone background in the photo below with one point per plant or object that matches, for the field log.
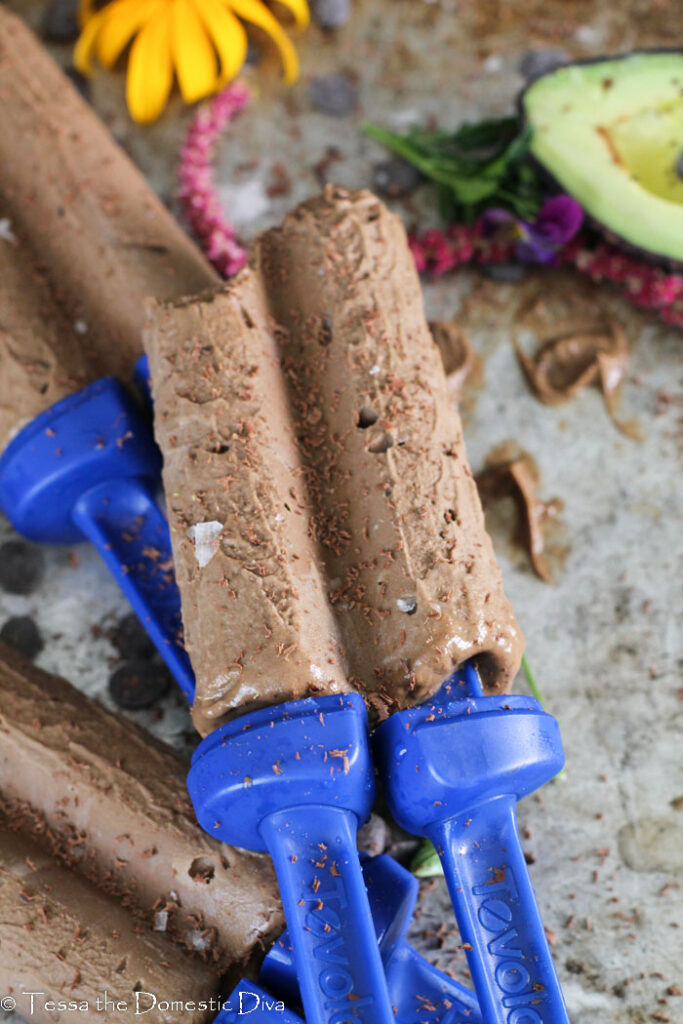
(605, 639)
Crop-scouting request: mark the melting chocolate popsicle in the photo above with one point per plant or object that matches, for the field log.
(65, 941)
(111, 800)
(327, 531)
(105, 240)
(411, 573)
(258, 625)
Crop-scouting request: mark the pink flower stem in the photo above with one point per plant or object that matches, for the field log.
(642, 283)
(201, 206)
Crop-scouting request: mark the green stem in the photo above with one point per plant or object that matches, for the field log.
(535, 692)
(533, 685)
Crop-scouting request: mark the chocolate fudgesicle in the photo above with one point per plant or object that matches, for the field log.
(257, 623)
(333, 361)
(66, 942)
(411, 572)
(112, 801)
(83, 219)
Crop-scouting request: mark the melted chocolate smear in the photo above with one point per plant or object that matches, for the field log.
(510, 471)
(572, 358)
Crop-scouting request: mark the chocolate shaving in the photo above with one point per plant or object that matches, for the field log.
(571, 358)
(456, 353)
(510, 471)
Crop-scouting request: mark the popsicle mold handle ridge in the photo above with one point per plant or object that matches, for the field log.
(88, 467)
(453, 770)
(297, 780)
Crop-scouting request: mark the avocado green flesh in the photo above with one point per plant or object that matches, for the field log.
(611, 134)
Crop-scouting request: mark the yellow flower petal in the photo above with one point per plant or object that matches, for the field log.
(299, 9)
(85, 45)
(227, 35)
(122, 20)
(193, 55)
(150, 70)
(254, 12)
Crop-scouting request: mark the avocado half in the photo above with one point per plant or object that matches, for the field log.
(610, 132)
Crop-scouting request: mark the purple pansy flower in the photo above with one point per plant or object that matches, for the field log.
(558, 221)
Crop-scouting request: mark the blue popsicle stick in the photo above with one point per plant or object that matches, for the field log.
(453, 770)
(297, 780)
(87, 467)
(419, 992)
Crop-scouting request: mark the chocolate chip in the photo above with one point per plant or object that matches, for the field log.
(131, 640)
(21, 633)
(539, 62)
(60, 21)
(395, 177)
(331, 14)
(22, 567)
(335, 94)
(138, 684)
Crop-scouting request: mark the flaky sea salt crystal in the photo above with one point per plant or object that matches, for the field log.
(6, 233)
(206, 537)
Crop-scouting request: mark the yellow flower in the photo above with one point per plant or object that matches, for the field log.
(203, 41)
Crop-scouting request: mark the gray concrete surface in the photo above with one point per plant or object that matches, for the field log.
(605, 639)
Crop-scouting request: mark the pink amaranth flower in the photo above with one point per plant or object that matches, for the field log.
(196, 186)
(642, 283)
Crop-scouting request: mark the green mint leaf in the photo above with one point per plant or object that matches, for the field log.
(481, 165)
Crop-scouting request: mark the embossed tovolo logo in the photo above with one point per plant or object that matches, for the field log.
(323, 923)
(514, 981)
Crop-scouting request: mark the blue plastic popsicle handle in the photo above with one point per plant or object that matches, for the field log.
(122, 519)
(297, 780)
(488, 881)
(453, 771)
(249, 999)
(141, 380)
(88, 467)
(419, 993)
